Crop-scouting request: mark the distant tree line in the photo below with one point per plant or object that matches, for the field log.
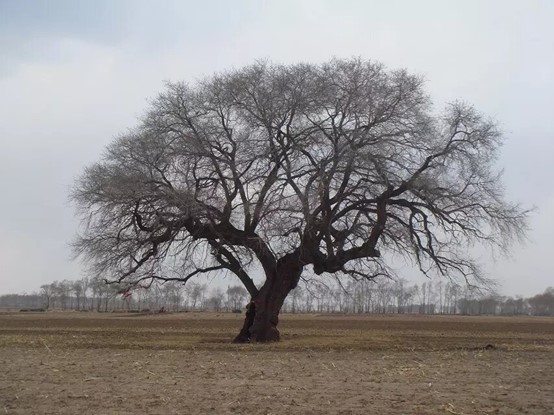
(398, 296)
(93, 294)
(383, 296)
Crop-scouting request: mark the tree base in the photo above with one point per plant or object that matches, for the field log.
(269, 335)
(241, 339)
(257, 331)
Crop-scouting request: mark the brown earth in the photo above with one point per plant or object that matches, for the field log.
(89, 363)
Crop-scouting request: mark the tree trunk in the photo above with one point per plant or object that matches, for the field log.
(262, 315)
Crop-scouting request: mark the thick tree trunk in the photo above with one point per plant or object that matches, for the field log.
(262, 315)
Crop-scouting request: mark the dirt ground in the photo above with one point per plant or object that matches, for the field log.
(89, 363)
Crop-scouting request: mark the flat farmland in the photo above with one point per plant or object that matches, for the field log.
(90, 363)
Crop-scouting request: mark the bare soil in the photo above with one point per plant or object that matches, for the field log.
(90, 363)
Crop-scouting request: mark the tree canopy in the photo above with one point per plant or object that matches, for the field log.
(325, 167)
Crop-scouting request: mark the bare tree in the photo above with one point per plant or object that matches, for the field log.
(62, 291)
(295, 298)
(196, 292)
(98, 291)
(215, 301)
(78, 290)
(286, 167)
(542, 304)
(47, 291)
(235, 297)
(85, 283)
(173, 294)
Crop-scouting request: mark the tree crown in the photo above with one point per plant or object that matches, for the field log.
(329, 164)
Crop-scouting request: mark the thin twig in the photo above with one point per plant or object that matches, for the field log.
(45, 345)
(452, 410)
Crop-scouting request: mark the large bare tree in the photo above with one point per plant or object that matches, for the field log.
(283, 168)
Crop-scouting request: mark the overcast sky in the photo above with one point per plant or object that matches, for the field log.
(74, 74)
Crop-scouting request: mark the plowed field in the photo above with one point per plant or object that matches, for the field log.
(89, 363)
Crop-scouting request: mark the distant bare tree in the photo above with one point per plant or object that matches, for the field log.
(78, 290)
(196, 293)
(98, 289)
(215, 301)
(47, 291)
(85, 283)
(173, 294)
(62, 291)
(323, 166)
(543, 304)
(404, 295)
(236, 296)
(295, 298)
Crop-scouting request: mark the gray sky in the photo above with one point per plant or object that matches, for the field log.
(74, 74)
